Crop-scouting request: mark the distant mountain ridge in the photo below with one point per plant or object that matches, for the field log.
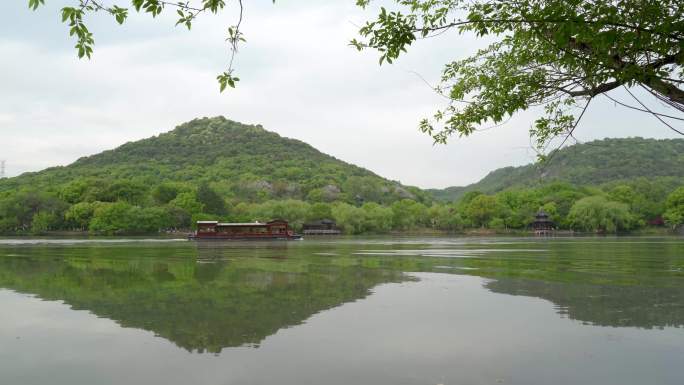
(592, 163)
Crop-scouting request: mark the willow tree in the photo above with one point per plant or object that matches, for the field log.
(558, 54)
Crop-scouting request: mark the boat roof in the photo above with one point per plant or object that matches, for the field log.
(242, 224)
(257, 223)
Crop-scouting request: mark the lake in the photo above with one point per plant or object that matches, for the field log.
(403, 310)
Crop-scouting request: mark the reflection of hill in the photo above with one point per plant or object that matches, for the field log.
(198, 306)
(634, 306)
(607, 283)
(205, 297)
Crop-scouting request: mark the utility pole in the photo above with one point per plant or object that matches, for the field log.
(2, 169)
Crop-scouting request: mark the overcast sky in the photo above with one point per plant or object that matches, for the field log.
(299, 78)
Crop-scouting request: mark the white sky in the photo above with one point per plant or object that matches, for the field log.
(299, 78)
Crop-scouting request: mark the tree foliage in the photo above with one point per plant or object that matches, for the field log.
(75, 14)
(557, 54)
(217, 169)
(482, 209)
(597, 214)
(674, 215)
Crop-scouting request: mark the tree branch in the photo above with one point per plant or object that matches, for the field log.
(547, 21)
(605, 87)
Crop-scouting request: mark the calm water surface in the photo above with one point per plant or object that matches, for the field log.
(343, 311)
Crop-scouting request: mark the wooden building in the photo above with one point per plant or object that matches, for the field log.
(543, 225)
(321, 227)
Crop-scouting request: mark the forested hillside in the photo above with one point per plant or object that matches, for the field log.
(589, 164)
(242, 162)
(219, 169)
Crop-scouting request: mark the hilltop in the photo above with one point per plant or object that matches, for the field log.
(241, 162)
(588, 164)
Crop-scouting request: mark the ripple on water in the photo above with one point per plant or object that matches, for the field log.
(442, 253)
(38, 241)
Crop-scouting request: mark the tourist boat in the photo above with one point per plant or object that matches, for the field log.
(276, 229)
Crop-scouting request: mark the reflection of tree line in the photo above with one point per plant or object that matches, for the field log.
(200, 307)
(602, 283)
(629, 306)
(234, 296)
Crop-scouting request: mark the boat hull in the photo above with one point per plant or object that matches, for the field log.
(202, 237)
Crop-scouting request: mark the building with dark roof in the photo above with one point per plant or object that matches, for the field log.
(321, 227)
(542, 223)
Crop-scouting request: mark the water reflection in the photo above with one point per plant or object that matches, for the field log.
(209, 296)
(199, 306)
(604, 305)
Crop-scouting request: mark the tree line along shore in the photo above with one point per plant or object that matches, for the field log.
(123, 207)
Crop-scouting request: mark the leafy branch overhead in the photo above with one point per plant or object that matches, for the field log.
(557, 54)
(186, 11)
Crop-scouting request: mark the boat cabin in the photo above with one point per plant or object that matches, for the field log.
(214, 229)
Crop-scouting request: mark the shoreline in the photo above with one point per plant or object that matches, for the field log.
(659, 231)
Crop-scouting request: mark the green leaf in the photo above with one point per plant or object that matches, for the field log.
(33, 4)
(226, 79)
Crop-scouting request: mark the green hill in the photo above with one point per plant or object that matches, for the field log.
(208, 168)
(241, 162)
(589, 164)
(214, 168)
